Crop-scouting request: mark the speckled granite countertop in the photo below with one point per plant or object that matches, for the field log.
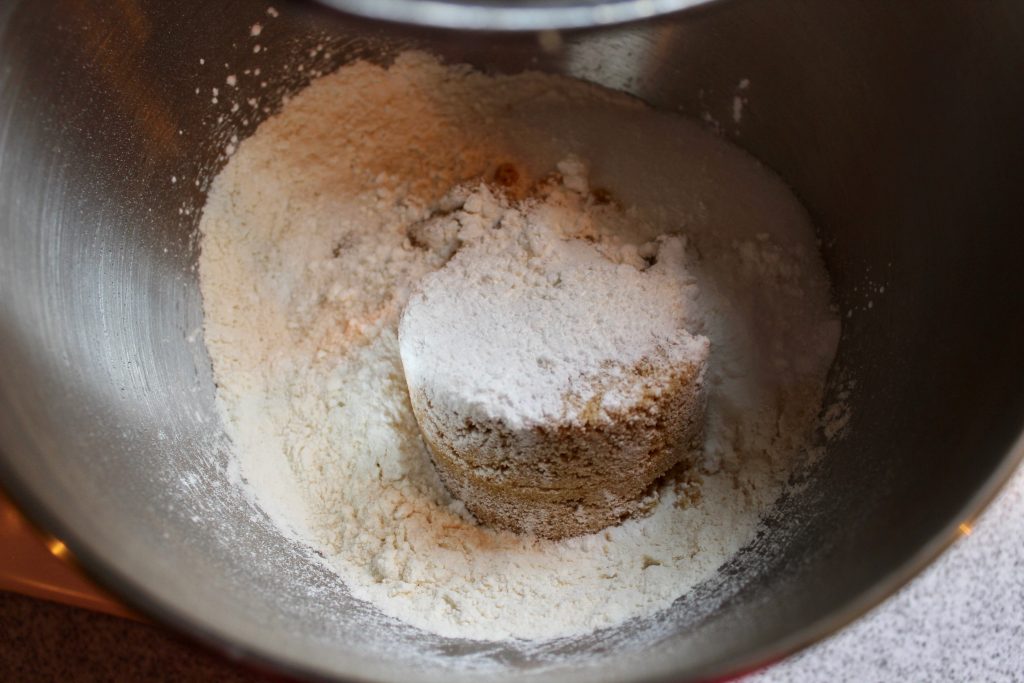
(962, 620)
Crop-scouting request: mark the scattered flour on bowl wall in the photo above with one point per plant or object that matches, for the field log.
(306, 264)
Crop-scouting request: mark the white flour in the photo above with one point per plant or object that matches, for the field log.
(562, 308)
(305, 268)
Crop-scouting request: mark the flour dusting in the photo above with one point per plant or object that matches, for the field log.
(307, 263)
(562, 306)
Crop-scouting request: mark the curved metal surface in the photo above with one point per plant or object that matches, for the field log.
(896, 123)
(533, 15)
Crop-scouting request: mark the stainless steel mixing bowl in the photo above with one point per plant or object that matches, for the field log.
(899, 124)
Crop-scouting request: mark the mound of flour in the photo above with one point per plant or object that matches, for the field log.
(536, 302)
(307, 262)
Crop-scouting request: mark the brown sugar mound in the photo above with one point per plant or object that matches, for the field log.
(575, 477)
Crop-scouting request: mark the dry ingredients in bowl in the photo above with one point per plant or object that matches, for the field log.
(310, 252)
(549, 366)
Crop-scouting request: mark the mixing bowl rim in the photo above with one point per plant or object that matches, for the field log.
(507, 16)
